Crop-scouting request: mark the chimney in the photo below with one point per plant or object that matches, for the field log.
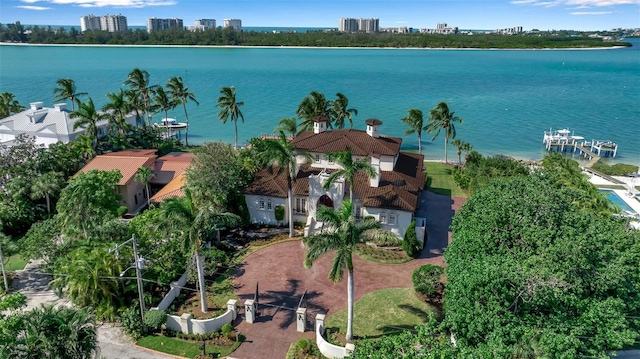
(36, 105)
(375, 163)
(60, 107)
(319, 124)
(373, 127)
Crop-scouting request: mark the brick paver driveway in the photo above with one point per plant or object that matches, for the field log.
(282, 280)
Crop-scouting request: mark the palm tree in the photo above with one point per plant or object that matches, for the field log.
(287, 125)
(349, 169)
(138, 80)
(117, 109)
(230, 108)
(8, 104)
(279, 155)
(441, 118)
(163, 103)
(46, 185)
(180, 94)
(462, 147)
(88, 117)
(67, 90)
(344, 233)
(339, 111)
(135, 103)
(83, 145)
(312, 106)
(196, 223)
(144, 175)
(8, 248)
(414, 121)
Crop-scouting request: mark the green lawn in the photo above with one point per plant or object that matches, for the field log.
(15, 262)
(440, 180)
(383, 312)
(179, 347)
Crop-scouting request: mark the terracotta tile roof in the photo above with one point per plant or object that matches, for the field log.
(178, 157)
(135, 153)
(127, 165)
(172, 189)
(360, 143)
(170, 166)
(274, 183)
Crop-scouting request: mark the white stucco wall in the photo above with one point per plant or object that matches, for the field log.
(265, 215)
(387, 163)
(403, 219)
(316, 191)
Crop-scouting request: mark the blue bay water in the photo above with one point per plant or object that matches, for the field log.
(507, 98)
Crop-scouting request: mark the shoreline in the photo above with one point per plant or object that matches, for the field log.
(316, 47)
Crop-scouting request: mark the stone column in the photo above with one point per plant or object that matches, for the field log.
(320, 323)
(232, 305)
(349, 348)
(250, 310)
(301, 315)
(185, 323)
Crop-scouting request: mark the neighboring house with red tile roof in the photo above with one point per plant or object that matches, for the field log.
(392, 196)
(169, 173)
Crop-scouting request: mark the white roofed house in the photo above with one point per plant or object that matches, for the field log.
(392, 196)
(47, 125)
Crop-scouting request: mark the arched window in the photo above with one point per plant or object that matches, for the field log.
(383, 217)
(392, 218)
(269, 205)
(261, 203)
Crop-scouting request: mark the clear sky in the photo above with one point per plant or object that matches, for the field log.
(465, 14)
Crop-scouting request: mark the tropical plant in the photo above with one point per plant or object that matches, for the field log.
(410, 244)
(280, 155)
(180, 94)
(288, 125)
(7, 248)
(162, 103)
(230, 108)
(144, 176)
(426, 279)
(117, 109)
(67, 90)
(339, 112)
(135, 104)
(88, 118)
(138, 81)
(461, 146)
(348, 170)
(441, 118)
(155, 318)
(8, 104)
(312, 106)
(196, 223)
(84, 146)
(46, 185)
(414, 121)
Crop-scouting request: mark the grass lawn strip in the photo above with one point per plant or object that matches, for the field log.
(440, 180)
(15, 262)
(180, 347)
(383, 312)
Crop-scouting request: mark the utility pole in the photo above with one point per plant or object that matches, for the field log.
(138, 264)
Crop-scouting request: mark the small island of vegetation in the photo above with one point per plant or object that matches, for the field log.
(17, 33)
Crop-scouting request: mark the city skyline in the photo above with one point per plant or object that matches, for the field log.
(465, 14)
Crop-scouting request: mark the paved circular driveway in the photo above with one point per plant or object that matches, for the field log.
(282, 280)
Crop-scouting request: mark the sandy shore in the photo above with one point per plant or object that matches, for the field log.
(310, 47)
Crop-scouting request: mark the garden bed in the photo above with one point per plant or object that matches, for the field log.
(189, 302)
(379, 254)
(217, 345)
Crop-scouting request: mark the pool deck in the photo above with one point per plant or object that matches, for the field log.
(631, 201)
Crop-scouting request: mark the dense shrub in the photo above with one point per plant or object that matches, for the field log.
(410, 244)
(279, 213)
(226, 329)
(426, 279)
(155, 318)
(130, 320)
(619, 169)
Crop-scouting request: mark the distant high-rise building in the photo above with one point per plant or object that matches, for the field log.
(155, 24)
(89, 22)
(202, 24)
(441, 28)
(111, 23)
(355, 25)
(236, 24)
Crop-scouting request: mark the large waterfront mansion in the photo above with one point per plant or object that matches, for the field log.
(392, 196)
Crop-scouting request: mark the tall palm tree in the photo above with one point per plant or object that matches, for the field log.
(339, 111)
(343, 233)
(197, 223)
(138, 80)
(47, 185)
(8, 104)
(135, 103)
(117, 109)
(312, 106)
(461, 147)
(88, 117)
(287, 125)
(144, 175)
(230, 108)
(348, 170)
(441, 118)
(162, 102)
(180, 94)
(414, 121)
(67, 90)
(83, 145)
(280, 155)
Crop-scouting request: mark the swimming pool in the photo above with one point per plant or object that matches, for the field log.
(615, 199)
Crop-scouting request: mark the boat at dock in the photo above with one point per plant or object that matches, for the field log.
(171, 123)
(565, 139)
